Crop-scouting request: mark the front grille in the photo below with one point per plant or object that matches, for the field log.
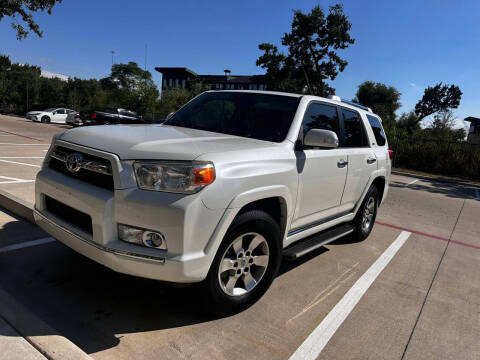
(69, 214)
(99, 179)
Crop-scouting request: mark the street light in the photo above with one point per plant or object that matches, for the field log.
(113, 52)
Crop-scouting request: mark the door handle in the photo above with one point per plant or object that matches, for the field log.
(342, 163)
(371, 160)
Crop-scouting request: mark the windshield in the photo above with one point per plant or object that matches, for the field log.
(49, 110)
(258, 116)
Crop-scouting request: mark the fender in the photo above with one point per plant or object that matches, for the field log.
(376, 174)
(234, 208)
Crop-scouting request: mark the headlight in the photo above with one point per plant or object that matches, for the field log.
(175, 177)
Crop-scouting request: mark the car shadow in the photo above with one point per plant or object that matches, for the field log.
(447, 188)
(90, 304)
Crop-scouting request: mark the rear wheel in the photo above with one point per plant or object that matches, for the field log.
(245, 264)
(366, 215)
(45, 119)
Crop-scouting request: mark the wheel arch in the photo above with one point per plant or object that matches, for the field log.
(275, 200)
(379, 179)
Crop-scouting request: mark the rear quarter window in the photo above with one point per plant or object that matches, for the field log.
(377, 128)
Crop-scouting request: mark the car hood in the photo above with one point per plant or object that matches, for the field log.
(160, 142)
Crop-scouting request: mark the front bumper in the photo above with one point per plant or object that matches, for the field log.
(187, 224)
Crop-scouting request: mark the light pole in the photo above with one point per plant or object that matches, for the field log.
(113, 52)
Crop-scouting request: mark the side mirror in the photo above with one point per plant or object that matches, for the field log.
(169, 116)
(321, 138)
(54, 112)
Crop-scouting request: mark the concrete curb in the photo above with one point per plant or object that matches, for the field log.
(39, 334)
(43, 337)
(17, 206)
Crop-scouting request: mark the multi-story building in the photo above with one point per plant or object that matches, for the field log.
(183, 77)
(474, 131)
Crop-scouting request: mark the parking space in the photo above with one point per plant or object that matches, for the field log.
(409, 291)
(23, 145)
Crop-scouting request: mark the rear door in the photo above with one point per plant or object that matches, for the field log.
(362, 160)
(322, 172)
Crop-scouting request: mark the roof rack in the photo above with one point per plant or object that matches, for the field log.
(338, 98)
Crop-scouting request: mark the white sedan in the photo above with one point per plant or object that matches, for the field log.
(54, 115)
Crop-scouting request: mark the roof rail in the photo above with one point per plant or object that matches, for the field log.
(338, 98)
(366, 108)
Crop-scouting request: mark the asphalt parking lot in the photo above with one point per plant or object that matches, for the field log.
(409, 291)
(23, 145)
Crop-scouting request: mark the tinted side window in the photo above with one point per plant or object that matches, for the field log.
(61, 111)
(354, 136)
(126, 113)
(377, 130)
(319, 116)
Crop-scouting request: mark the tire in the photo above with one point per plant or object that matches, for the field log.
(366, 215)
(254, 228)
(45, 119)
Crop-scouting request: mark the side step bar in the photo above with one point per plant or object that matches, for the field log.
(317, 240)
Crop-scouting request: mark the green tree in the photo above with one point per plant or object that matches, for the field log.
(438, 98)
(408, 123)
(443, 128)
(131, 87)
(312, 52)
(24, 9)
(382, 99)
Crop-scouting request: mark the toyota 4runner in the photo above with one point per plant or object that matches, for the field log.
(220, 192)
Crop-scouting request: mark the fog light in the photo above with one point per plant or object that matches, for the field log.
(153, 239)
(148, 238)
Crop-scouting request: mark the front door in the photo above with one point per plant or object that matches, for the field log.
(322, 172)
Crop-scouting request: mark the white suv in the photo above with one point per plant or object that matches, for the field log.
(220, 191)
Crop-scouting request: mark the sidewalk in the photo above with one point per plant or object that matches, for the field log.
(13, 346)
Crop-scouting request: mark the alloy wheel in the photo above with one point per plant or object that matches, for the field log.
(368, 213)
(243, 264)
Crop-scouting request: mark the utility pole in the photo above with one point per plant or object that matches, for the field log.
(26, 81)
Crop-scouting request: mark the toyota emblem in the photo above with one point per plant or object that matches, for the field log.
(74, 162)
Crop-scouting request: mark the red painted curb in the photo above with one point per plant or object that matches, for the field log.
(26, 137)
(428, 235)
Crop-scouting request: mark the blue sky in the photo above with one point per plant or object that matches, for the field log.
(407, 44)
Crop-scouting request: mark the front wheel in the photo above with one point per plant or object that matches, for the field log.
(366, 215)
(245, 264)
(45, 119)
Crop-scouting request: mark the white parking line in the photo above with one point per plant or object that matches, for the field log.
(19, 163)
(411, 182)
(11, 180)
(2, 143)
(318, 339)
(26, 244)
